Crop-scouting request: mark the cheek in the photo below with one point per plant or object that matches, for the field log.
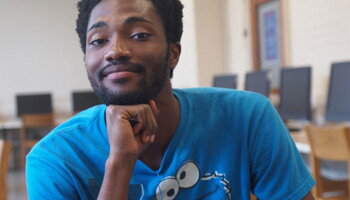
(153, 55)
(92, 62)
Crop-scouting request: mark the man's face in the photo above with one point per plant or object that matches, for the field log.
(126, 52)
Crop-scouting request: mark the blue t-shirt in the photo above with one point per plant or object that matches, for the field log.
(227, 144)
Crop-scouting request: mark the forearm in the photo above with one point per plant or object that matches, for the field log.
(116, 179)
(126, 143)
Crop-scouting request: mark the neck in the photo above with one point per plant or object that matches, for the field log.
(168, 119)
(169, 113)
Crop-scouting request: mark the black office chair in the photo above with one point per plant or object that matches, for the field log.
(36, 113)
(83, 100)
(258, 82)
(295, 93)
(338, 107)
(225, 81)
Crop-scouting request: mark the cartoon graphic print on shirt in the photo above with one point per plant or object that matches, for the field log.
(189, 182)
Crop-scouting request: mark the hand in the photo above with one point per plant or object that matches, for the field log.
(131, 128)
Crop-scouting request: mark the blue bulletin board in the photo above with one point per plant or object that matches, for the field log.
(269, 37)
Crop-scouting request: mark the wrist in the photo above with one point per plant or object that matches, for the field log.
(116, 155)
(118, 172)
(116, 161)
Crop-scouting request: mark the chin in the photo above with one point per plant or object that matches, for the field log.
(129, 97)
(127, 92)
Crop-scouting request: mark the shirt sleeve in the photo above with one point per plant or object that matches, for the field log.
(277, 168)
(46, 178)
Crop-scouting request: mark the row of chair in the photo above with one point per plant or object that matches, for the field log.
(257, 81)
(295, 91)
(42, 103)
(37, 116)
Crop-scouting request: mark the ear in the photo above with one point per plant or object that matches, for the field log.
(174, 54)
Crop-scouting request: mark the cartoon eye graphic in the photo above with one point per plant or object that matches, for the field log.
(167, 189)
(188, 175)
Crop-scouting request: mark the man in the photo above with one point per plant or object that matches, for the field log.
(151, 141)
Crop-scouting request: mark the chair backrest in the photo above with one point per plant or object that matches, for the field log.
(225, 81)
(329, 142)
(5, 148)
(34, 104)
(338, 107)
(295, 93)
(258, 81)
(83, 100)
(37, 120)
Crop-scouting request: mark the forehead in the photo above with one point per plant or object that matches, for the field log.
(119, 10)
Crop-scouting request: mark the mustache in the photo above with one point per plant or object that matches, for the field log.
(116, 66)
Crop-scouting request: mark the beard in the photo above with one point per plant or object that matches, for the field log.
(146, 89)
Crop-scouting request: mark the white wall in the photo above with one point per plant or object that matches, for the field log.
(40, 52)
(239, 52)
(319, 35)
(186, 72)
(210, 37)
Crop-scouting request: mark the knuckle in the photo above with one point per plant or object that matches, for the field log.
(144, 108)
(155, 127)
(112, 110)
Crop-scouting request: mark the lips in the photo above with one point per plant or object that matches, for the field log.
(120, 70)
(116, 69)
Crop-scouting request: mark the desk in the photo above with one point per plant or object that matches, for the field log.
(11, 124)
(16, 123)
(301, 141)
(9, 130)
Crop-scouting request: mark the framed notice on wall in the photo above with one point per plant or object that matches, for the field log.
(269, 37)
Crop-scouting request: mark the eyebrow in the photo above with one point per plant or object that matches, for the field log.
(128, 21)
(136, 19)
(98, 25)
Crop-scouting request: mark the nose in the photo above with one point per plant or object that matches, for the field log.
(118, 51)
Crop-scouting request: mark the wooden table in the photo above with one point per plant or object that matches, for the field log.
(301, 141)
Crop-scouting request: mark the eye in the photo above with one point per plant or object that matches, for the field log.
(141, 36)
(188, 175)
(167, 189)
(98, 42)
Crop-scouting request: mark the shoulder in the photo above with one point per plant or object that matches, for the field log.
(82, 127)
(221, 97)
(68, 157)
(213, 92)
(88, 117)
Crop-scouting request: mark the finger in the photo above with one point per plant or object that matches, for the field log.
(139, 120)
(137, 128)
(147, 132)
(154, 107)
(153, 138)
(147, 138)
(151, 126)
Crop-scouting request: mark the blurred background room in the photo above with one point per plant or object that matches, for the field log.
(287, 50)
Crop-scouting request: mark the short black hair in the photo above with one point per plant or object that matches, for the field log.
(170, 12)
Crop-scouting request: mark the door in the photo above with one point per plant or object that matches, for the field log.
(268, 38)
